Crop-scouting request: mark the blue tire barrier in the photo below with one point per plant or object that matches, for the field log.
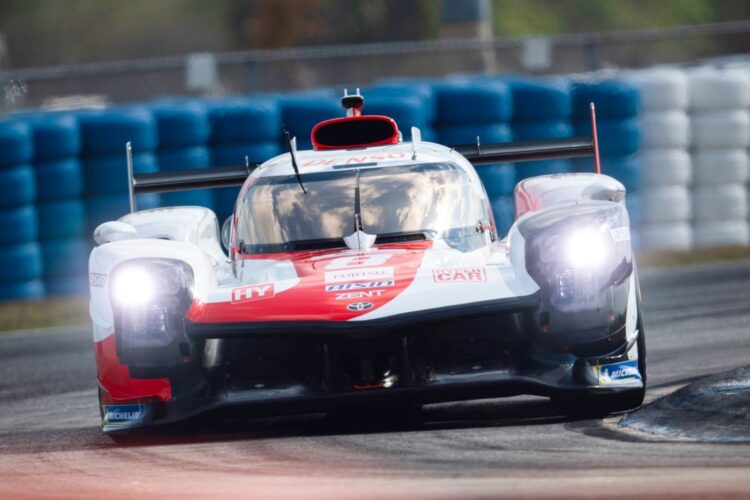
(538, 131)
(58, 179)
(224, 200)
(245, 120)
(181, 125)
(201, 198)
(498, 180)
(67, 286)
(300, 115)
(303, 144)
(192, 158)
(633, 204)
(479, 102)
(613, 99)
(616, 138)
(19, 225)
(527, 169)
(27, 290)
(584, 165)
(540, 101)
(503, 208)
(16, 142)
(467, 134)
(106, 208)
(61, 219)
(17, 186)
(69, 257)
(20, 263)
(256, 153)
(429, 134)
(109, 174)
(421, 91)
(56, 135)
(407, 110)
(626, 169)
(105, 132)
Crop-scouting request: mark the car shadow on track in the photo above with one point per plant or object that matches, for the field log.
(496, 413)
(473, 414)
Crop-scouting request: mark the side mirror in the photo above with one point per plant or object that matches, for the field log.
(114, 231)
(226, 233)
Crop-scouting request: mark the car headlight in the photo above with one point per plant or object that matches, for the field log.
(573, 254)
(149, 299)
(133, 287)
(587, 248)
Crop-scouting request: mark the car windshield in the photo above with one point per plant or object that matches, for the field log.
(401, 203)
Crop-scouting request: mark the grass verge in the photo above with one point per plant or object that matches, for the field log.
(702, 256)
(32, 314)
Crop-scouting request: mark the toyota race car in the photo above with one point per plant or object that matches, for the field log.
(368, 271)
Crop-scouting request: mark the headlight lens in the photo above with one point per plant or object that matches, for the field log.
(586, 248)
(149, 298)
(572, 254)
(133, 286)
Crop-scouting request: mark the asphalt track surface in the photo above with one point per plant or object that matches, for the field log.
(698, 324)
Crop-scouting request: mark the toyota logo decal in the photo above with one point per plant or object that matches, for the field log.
(359, 306)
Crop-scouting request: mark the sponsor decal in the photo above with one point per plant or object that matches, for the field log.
(463, 274)
(123, 414)
(354, 160)
(341, 287)
(97, 280)
(625, 371)
(253, 292)
(620, 233)
(359, 306)
(359, 260)
(364, 274)
(366, 294)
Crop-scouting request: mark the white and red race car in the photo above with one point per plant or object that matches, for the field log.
(368, 271)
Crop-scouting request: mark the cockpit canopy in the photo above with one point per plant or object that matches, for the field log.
(397, 203)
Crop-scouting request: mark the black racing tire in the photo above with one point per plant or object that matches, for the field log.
(600, 405)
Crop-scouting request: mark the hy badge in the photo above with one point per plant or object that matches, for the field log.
(618, 373)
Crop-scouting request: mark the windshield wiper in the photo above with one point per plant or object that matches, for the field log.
(357, 207)
(294, 160)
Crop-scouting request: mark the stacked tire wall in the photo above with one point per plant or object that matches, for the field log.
(617, 108)
(481, 108)
(20, 253)
(183, 132)
(61, 208)
(665, 160)
(242, 130)
(719, 102)
(104, 134)
(541, 111)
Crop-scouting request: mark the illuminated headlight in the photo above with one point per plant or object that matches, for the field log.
(586, 248)
(149, 299)
(144, 281)
(133, 286)
(573, 261)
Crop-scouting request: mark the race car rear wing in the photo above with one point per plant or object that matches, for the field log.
(477, 154)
